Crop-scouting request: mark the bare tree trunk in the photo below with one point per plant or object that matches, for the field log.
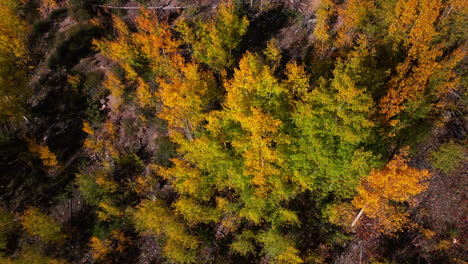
(358, 216)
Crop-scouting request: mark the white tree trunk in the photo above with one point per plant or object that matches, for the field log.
(358, 216)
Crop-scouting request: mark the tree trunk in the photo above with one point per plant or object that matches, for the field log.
(358, 216)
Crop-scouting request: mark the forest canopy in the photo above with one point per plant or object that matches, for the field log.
(237, 132)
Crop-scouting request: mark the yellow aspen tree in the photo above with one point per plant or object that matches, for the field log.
(153, 217)
(157, 45)
(273, 54)
(355, 13)
(260, 159)
(122, 49)
(187, 179)
(297, 83)
(184, 98)
(446, 80)
(414, 26)
(396, 182)
(152, 46)
(324, 14)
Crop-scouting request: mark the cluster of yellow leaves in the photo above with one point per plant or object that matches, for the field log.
(194, 212)
(107, 210)
(324, 13)
(414, 25)
(449, 79)
(106, 183)
(272, 53)
(143, 94)
(73, 81)
(37, 223)
(186, 179)
(260, 157)
(396, 182)
(156, 44)
(101, 247)
(122, 49)
(49, 159)
(184, 97)
(251, 80)
(354, 14)
(153, 44)
(155, 218)
(290, 256)
(214, 42)
(88, 129)
(13, 31)
(104, 248)
(97, 145)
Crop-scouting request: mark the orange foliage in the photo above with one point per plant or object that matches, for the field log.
(122, 49)
(49, 159)
(323, 14)
(396, 182)
(101, 248)
(88, 129)
(155, 41)
(414, 25)
(353, 14)
(184, 98)
(152, 42)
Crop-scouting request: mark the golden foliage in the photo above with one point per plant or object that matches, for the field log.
(153, 42)
(184, 98)
(144, 96)
(101, 248)
(290, 256)
(397, 182)
(87, 128)
(155, 218)
(49, 159)
(414, 26)
(217, 38)
(324, 14)
(354, 14)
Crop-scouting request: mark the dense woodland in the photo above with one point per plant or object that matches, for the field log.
(307, 131)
